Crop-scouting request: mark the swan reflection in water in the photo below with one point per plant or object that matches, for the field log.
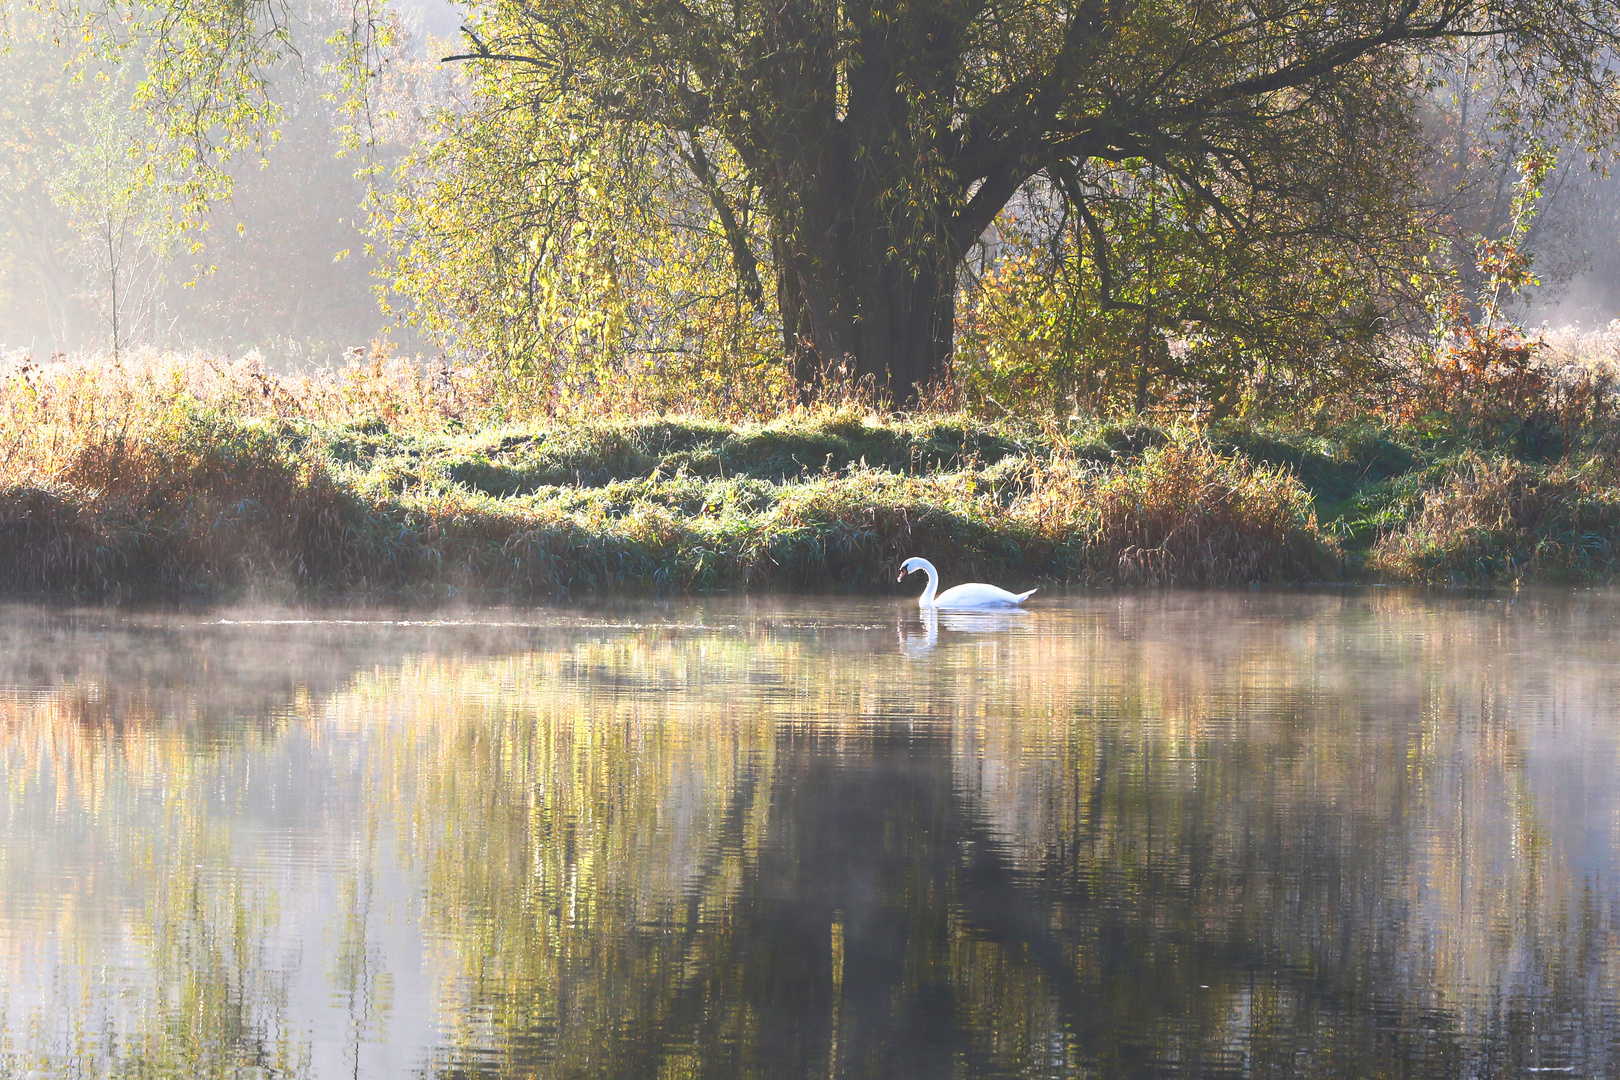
(1001, 621)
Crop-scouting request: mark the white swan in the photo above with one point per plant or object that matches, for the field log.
(960, 597)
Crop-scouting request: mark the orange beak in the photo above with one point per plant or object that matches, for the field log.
(901, 576)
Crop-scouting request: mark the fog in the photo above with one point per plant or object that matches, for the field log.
(91, 260)
(1579, 252)
(280, 266)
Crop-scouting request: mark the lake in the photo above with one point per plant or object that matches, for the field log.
(1274, 834)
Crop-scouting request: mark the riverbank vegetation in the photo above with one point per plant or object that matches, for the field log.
(164, 476)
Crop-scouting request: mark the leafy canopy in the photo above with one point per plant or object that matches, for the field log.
(824, 170)
(873, 145)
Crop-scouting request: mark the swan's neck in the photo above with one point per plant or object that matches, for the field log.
(927, 598)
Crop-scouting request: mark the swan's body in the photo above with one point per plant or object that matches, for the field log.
(972, 596)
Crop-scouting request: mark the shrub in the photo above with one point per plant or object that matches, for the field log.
(1184, 514)
(1496, 519)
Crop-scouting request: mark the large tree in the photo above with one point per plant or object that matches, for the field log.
(881, 138)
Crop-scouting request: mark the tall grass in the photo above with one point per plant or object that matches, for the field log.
(180, 476)
(177, 477)
(1497, 519)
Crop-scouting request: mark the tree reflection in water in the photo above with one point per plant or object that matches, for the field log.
(1178, 834)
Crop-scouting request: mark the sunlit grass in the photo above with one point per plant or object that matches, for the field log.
(168, 476)
(171, 476)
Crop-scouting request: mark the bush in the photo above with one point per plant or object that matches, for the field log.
(1496, 519)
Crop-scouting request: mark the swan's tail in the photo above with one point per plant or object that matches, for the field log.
(1021, 597)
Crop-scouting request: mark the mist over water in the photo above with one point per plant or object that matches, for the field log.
(1354, 833)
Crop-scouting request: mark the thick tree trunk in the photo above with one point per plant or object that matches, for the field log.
(798, 341)
(904, 331)
(866, 276)
(873, 314)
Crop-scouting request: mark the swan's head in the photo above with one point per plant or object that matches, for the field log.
(910, 566)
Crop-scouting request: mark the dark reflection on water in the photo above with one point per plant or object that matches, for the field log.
(1174, 834)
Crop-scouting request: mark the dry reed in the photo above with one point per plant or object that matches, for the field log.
(1496, 519)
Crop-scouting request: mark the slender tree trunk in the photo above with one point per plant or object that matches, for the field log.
(112, 284)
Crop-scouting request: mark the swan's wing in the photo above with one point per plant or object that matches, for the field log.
(978, 595)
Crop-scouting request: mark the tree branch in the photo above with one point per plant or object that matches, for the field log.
(742, 256)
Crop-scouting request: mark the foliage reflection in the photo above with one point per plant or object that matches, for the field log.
(1189, 835)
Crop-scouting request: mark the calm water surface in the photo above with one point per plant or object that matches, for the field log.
(1354, 834)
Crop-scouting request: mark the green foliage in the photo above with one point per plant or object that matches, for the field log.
(1152, 295)
(202, 74)
(1238, 182)
(570, 259)
(185, 86)
(103, 222)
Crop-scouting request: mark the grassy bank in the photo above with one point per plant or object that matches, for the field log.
(171, 478)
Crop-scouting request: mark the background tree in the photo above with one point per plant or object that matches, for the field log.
(1476, 131)
(880, 140)
(95, 176)
(127, 228)
(37, 282)
(672, 181)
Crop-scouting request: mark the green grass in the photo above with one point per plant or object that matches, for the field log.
(209, 506)
(1439, 504)
(179, 481)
